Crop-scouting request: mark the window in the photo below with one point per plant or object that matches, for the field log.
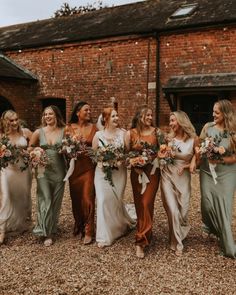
(184, 11)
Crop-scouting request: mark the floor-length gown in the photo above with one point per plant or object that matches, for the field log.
(217, 199)
(176, 191)
(15, 210)
(144, 203)
(82, 190)
(50, 189)
(113, 221)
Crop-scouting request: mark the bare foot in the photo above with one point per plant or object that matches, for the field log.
(140, 252)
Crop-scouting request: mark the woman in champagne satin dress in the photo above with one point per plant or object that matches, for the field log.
(143, 132)
(81, 181)
(15, 209)
(176, 178)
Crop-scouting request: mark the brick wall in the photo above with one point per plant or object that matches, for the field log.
(121, 68)
(203, 52)
(93, 72)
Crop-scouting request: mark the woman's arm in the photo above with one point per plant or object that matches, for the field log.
(127, 140)
(34, 140)
(95, 142)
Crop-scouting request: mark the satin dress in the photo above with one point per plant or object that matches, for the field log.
(144, 203)
(50, 189)
(176, 191)
(82, 190)
(113, 221)
(15, 196)
(217, 199)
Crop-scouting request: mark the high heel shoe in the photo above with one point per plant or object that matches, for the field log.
(48, 242)
(140, 252)
(87, 240)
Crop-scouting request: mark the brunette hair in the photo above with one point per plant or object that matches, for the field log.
(59, 119)
(76, 109)
(229, 114)
(137, 119)
(185, 123)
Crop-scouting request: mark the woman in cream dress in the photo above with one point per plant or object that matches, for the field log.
(113, 221)
(176, 180)
(15, 210)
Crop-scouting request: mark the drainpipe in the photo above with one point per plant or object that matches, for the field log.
(158, 82)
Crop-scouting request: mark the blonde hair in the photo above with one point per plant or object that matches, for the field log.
(59, 119)
(5, 124)
(185, 123)
(229, 114)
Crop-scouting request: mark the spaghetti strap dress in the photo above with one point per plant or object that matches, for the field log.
(50, 189)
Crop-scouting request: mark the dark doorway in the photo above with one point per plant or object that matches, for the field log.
(199, 108)
(59, 102)
(5, 105)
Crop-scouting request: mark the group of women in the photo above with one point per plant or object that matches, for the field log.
(88, 183)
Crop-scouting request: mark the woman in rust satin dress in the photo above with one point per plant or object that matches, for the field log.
(143, 131)
(81, 181)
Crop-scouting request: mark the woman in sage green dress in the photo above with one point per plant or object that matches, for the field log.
(50, 187)
(218, 185)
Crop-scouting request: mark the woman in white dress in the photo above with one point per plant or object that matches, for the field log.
(15, 210)
(113, 221)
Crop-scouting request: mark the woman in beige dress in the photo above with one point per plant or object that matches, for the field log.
(175, 178)
(15, 193)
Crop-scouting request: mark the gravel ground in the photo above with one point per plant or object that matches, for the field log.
(69, 267)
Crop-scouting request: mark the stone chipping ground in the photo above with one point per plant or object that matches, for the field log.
(69, 267)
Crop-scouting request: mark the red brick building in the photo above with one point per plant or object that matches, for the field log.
(169, 54)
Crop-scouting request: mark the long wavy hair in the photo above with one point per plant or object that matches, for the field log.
(59, 119)
(229, 114)
(185, 123)
(76, 109)
(5, 121)
(137, 119)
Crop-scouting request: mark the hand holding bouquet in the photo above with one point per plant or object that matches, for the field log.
(108, 157)
(166, 154)
(72, 146)
(143, 157)
(8, 153)
(38, 160)
(210, 149)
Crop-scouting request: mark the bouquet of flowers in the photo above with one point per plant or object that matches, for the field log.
(8, 153)
(38, 160)
(210, 149)
(72, 146)
(108, 157)
(142, 157)
(166, 154)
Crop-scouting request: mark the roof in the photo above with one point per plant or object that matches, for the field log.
(218, 81)
(9, 69)
(136, 18)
